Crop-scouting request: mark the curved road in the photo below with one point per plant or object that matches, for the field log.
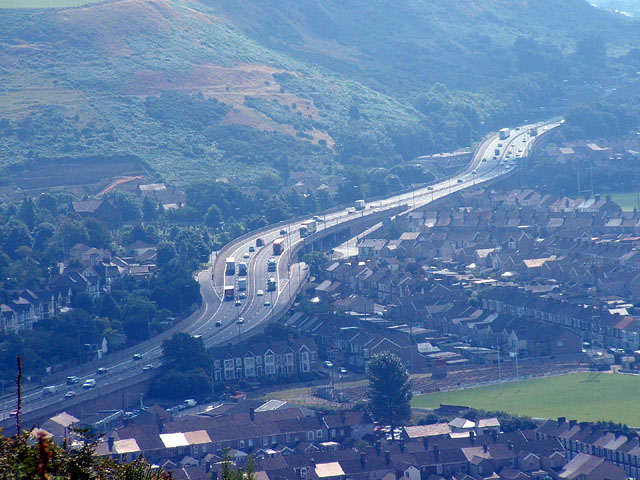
(122, 368)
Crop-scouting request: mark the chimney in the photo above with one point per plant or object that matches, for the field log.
(561, 420)
(252, 414)
(494, 435)
(425, 442)
(402, 446)
(343, 416)
(485, 447)
(436, 452)
(207, 467)
(110, 442)
(597, 198)
(572, 423)
(378, 447)
(583, 424)
(363, 460)
(472, 437)
(510, 445)
(387, 456)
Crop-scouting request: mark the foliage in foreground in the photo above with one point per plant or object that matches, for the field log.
(35, 456)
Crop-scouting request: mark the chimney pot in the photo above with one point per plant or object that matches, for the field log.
(510, 445)
(485, 447)
(387, 457)
(402, 446)
(436, 452)
(252, 414)
(110, 442)
(363, 460)
(425, 442)
(378, 447)
(561, 420)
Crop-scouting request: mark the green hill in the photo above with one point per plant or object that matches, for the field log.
(197, 90)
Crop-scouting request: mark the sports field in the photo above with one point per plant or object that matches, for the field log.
(627, 201)
(581, 396)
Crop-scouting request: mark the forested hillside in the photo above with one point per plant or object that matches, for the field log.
(198, 90)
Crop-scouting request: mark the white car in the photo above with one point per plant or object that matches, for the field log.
(89, 383)
(259, 293)
(240, 321)
(266, 303)
(246, 255)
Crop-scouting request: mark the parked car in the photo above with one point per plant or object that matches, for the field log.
(137, 356)
(71, 379)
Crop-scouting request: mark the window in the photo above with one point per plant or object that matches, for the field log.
(310, 435)
(265, 441)
(218, 446)
(250, 442)
(274, 439)
(241, 443)
(561, 343)
(318, 433)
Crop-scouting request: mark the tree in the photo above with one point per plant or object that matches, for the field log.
(213, 217)
(99, 235)
(185, 352)
(389, 390)
(149, 210)
(27, 212)
(138, 313)
(72, 231)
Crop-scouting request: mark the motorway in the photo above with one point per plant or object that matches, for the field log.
(122, 368)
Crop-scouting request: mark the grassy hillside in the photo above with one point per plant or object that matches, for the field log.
(197, 90)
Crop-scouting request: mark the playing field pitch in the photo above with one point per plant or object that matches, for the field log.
(587, 396)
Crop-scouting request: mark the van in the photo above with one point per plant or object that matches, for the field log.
(190, 402)
(50, 390)
(89, 383)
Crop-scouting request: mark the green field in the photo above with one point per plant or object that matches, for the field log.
(627, 201)
(580, 396)
(44, 3)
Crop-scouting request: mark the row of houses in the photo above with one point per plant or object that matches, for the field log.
(93, 274)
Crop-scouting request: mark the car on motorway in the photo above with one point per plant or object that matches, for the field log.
(429, 188)
(70, 394)
(238, 303)
(328, 364)
(50, 390)
(259, 242)
(218, 323)
(343, 370)
(484, 159)
(240, 321)
(252, 248)
(246, 255)
(317, 218)
(459, 180)
(259, 293)
(89, 383)
(71, 379)
(242, 295)
(137, 356)
(283, 232)
(266, 303)
(102, 371)
(147, 367)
